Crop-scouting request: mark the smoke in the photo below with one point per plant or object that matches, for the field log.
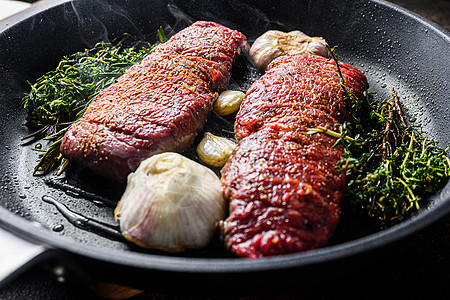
(90, 28)
(92, 17)
(182, 20)
(97, 18)
(236, 14)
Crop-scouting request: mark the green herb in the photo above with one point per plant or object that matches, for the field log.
(161, 35)
(392, 166)
(60, 97)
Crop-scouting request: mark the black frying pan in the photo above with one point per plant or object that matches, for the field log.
(392, 46)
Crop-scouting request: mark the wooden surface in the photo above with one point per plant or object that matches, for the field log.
(418, 264)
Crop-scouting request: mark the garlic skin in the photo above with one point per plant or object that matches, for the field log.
(171, 203)
(228, 102)
(214, 150)
(275, 43)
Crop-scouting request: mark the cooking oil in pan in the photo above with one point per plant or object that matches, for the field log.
(107, 230)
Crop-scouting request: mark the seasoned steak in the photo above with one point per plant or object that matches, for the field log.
(294, 84)
(158, 105)
(282, 182)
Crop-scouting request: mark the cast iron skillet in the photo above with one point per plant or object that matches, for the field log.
(394, 48)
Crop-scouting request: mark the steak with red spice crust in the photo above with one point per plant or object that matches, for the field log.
(158, 105)
(282, 182)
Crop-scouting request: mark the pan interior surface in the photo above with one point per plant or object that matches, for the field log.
(394, 48)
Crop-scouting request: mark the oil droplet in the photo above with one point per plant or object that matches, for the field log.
(22, 196)
(58, 228)
(73, 194)
(99, 203)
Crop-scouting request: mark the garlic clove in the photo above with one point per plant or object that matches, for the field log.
(214, 150)
(228, 102)
(275, 43)
(171, 203)
(265, 48)
(317, 47)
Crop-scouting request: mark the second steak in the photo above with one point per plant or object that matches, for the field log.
(282, 182)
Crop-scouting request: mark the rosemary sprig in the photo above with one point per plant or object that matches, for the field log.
(61, 96)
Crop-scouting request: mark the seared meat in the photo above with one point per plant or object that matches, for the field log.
(158, 105)
(282, 182)
(293, 84)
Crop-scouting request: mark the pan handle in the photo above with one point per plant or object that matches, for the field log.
(17, 255)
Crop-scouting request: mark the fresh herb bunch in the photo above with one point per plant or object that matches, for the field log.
(392, 166)
(61, 96)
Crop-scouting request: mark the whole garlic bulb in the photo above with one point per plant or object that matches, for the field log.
(275, 43)
(171, 203)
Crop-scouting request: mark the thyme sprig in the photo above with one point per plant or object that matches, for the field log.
(396, 167)
(60, 97)
(392, 165)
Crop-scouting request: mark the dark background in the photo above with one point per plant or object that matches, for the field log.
(416, 267)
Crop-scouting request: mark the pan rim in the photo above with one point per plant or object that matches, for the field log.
(442, 31)
(373, 241)
(177, 264)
